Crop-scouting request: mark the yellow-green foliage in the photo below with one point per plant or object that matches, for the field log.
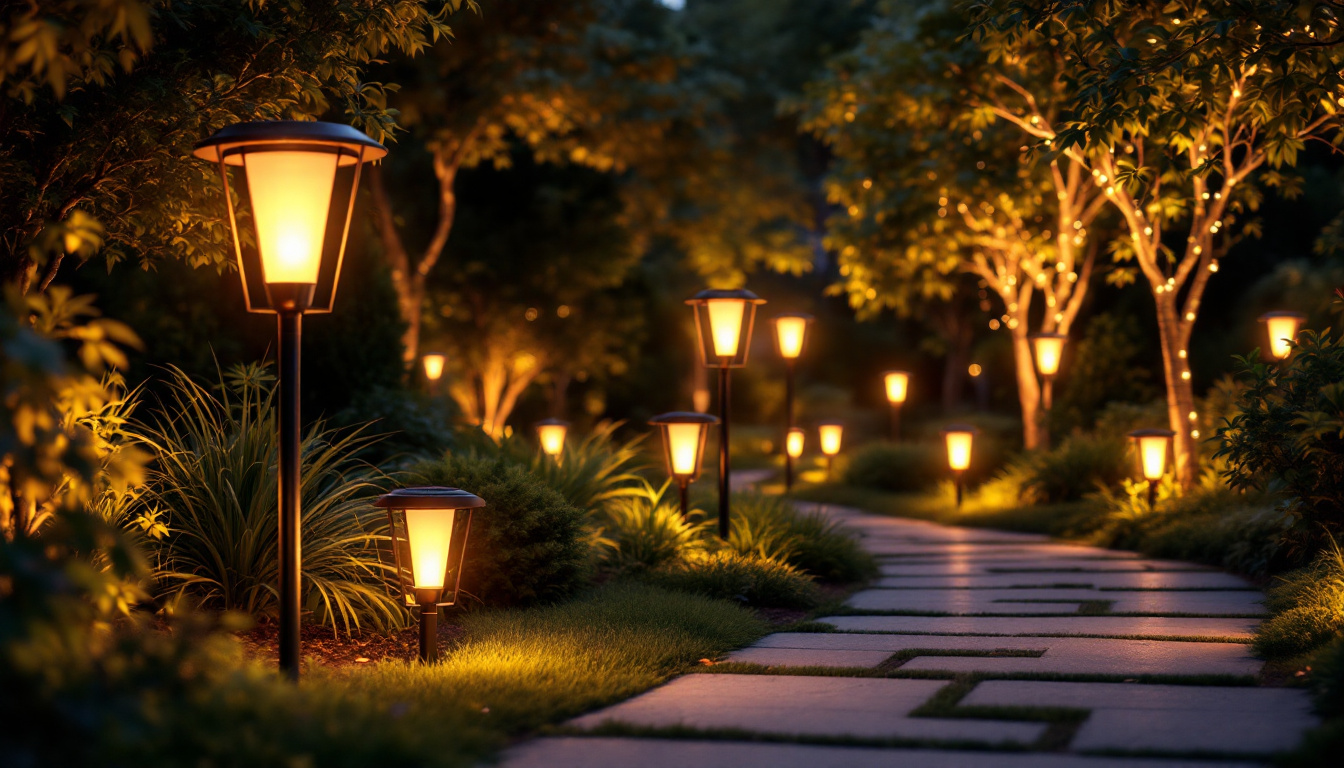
(1308, 607)
(747, 578)
(647, 531)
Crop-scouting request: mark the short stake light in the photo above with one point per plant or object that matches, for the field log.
(1153, 447)
(790, 340)
(959, 438)
(723, 324)
(898, 388)
(1282, 328)
(429, 545)
(433, 368)
(551, 434)
(829, 435)
(795, 442)
(300, 178)
(684, 434)
(1048, 350)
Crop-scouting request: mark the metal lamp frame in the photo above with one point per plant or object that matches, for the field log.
(790, 370)
(1137, 436)
(665, 420)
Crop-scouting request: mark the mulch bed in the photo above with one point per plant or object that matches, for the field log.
(337, 650)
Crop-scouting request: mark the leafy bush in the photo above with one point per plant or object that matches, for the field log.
(1077, 467)
(895, 467)
(1107, 366)
(215, 484)
(1308, 608)
(527, 545)
(770, 527)
(647, 531)
(412, 423)
(1289, 435)
(730, 575)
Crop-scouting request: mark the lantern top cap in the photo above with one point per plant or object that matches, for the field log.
(1044, 335)
(228, 142)
(741, 294)
(1152, 433)
(1282, 313)
(954, 428)
(683, 417)
(429, 497)
(799, 315)
(552, 422)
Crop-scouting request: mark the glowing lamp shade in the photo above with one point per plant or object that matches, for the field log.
(898, 386)
(791, 335)
(433, 366)
(795, 441)
(959, 439)
(1049, 349)
(1282, 327)
(300, 179)
(1153, 445)
(684, 434)
(429, 527)
(551, 435)
(723, 324)
(829, 435)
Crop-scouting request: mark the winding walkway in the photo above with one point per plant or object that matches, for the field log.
(975, 649)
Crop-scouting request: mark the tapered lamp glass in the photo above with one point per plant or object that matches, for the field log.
(1282, 328)
(898, 386)
(684, 434)
(829, 435)
(1153, 445)
(433, 366)
(960, 438)
(1049, 349)
(551, 435)
(723, 323)
(795, 442)
(791, 335)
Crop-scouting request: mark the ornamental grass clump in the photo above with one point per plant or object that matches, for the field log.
(770, 527)
(1308, 608)
(645, 531)
(746, 578)
(213, 485)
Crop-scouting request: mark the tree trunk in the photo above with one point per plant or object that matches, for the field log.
(1180, 392)
(1035, 434)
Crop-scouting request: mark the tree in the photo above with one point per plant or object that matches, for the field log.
(1184, 155)
(932, 189)
(103, 101)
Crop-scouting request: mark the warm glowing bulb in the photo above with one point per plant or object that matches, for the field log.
(794, 443)
(790, 331)
(552, 438)
(430, 532)
(725, 325)
(433, 366)
(959, 450)
(700, 399)
(683, 442)
(1049, 350)
(1282, 330)
(898, 386)
(830, 438)
(291, 194)
(1153, 453)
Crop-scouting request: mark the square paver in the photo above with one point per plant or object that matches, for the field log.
(1059, 655)
(872, 708)
(1167, 718)
(1113, 626)
(1165, 580)
(1057, 601)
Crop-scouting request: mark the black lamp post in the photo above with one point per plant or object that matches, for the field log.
(301, 179)
(684, 434)
(429, 545)
(790, 340)
(723, 323)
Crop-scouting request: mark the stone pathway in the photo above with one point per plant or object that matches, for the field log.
(975, 649)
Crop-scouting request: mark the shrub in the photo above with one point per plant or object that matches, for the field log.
(1107, 366)
(1077, 467)
(895, 467)
(413, 424)
(215, 484)
(527, 545)
(770, 527)
(1289, 434)
(750, 579)
(647, 531)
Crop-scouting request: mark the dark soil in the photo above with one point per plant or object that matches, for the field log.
(336, 649)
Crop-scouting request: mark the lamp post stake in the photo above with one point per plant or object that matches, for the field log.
(291, 335)
(725, 393)
(788, 424)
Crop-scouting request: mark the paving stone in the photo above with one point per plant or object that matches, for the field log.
(1109, 580)
(1062, 655)
(904, 548)
(1056, 601)
(590, 752)
(1169, 718)
(873, 708)
(1036, 566)
(1122, 626)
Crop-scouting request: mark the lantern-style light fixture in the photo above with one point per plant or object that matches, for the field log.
(723, 325)
(429, 544)
(898, 388)
(1153, 447)
(684, 434)
(551, 434)
(795, 442)
(959, 439)
(433, 367)
(829, 434)
(299, 180)
(790, 339)
(1282, 328)
(1048, 349)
